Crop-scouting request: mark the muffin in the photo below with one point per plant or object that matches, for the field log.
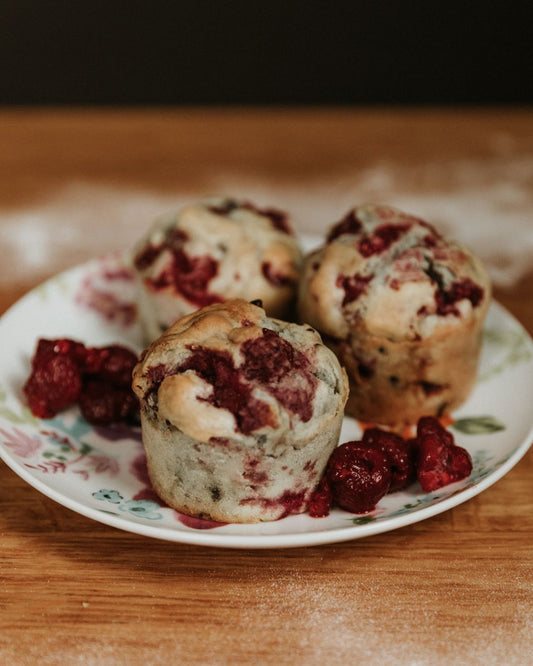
(213, 251)
(402, 307)
(240, 413)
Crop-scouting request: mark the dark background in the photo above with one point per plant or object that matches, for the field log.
(259, 53)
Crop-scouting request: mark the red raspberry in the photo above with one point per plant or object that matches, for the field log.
(64, 372)
(101, 403)
(440, 460)
(116, 365)
(54, 384)
(359, 476)
(62, 346)
(321, 499)
(400, 453)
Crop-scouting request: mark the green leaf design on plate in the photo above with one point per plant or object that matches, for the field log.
(85, 449)
(478, 425)
(514, 343)
(363, 520)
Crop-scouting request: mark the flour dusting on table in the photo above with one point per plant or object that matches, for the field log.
(488, 205)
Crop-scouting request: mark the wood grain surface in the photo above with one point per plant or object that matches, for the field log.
(457, 588)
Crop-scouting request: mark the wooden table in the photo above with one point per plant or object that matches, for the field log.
(457, 588)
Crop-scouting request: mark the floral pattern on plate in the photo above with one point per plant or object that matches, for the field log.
(101, 472)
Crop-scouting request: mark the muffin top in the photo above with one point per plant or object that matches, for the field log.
(394, 275)
(227, 371)
(217, 249)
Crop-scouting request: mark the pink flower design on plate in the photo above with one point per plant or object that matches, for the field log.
(105, 291)
(20, 443)
(103, 463)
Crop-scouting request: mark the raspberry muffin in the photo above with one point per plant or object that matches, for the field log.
(240, 413)
(403, 309)
(213, 251)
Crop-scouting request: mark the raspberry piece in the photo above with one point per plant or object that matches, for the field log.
(116, 365)
(354, 286)
(321, 499)
(400, 453)
(440, 460)
(359, 476)
(348, 225)
(275, 278)
(459, 290)
(382, 238)
(54, 384)
(282, 370)
(101, 403)
(66, 372)
(230, 390)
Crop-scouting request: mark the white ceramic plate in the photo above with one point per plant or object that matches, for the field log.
(100, 472)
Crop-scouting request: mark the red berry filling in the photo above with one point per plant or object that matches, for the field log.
(459, 290)
(349, 224)
(65, 373)
(281, 370)
(174, 239)
(440, 460)
(269, 362)
(358, 472)
(382, 238)
(353, 286)
(229, 390)
(290, 502)
(275, 278)
(321, 499)
(190, 276)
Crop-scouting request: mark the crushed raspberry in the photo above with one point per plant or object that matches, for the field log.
(229, 390)
(268, 361)
(116, 365)
(382, 238)
(459, 290)
(101, 403)
(440, 460)
(400, 453)
(190, 276)
(290, 502)
(282, 370)
(147, 256)
(359, 476)
(353, 285)
(63, 372)
(271, 275)
(321, 499)
(293, 502)
(349, 224)
(54, 384)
